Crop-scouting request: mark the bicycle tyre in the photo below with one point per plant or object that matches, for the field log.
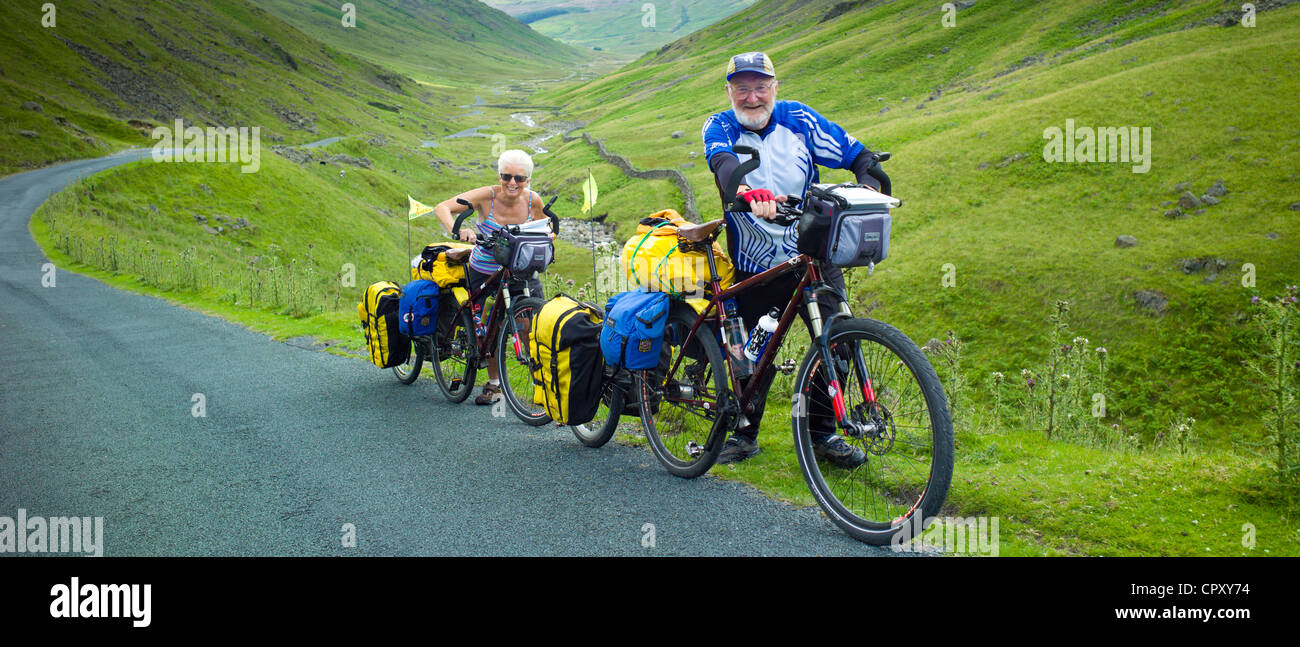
(686, 436)
(410, 370)
(878, 500)
(454, 357)
(514, 368)
(597, 431)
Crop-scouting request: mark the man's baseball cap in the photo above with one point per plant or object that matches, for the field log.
(750, 62)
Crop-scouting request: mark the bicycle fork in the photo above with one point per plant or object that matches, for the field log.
(821, 332)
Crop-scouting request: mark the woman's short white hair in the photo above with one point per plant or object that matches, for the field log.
(515, 156)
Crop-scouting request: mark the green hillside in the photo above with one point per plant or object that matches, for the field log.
(297, 236)
(964, 110)
(620, 27)
(990, 237)
(458, 42)
(103, 76)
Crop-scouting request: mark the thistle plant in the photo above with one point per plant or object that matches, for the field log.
(1276, 367)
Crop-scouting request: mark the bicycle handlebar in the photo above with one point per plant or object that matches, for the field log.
(787, 213)
(469, 213)
(555, 220)
(455, 230)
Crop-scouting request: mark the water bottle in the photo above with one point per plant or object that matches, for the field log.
(733, 335)
(479, 329)
(759, 336)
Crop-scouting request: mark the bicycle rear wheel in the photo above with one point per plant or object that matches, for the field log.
(682, 413)
(454, 357)
(907, 435)
(408, 371)
(513, 363)
(597, 431)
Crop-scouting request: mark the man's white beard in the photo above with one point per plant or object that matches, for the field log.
(753, 124)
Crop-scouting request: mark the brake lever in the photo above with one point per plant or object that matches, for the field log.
(785, 219)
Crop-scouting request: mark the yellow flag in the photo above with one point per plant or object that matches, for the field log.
(588, 193)
(417, 209)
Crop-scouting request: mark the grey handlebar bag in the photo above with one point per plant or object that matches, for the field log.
(846, 225)
(523, 252)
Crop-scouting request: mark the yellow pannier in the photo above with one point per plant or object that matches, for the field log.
(654, 261)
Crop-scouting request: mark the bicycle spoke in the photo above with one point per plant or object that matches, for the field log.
(680, 411)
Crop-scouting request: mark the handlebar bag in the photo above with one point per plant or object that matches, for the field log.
(845, 226)
(522, 251)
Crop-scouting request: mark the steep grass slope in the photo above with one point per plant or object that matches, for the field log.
(458, 42)
(621, 27)
(104, 74)
(296, 237)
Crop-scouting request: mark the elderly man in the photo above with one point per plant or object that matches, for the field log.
(792, 140)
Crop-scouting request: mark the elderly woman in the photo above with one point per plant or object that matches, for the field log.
(508, 203)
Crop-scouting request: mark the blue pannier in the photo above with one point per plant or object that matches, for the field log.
(634, 329)
(418, 309)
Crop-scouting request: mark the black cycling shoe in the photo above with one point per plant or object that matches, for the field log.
(737, 449)
(833, 448)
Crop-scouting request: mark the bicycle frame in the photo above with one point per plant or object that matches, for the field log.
(499, 281)
(804, 294)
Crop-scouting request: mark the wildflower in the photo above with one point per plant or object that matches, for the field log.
(1101, 350)
(1066, 348)
(1254, 300)
(1081, 341)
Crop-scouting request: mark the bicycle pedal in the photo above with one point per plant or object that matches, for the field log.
(693, 449)
(455, 384)
(787, 367)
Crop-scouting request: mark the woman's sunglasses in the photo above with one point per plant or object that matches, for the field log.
(505, 177)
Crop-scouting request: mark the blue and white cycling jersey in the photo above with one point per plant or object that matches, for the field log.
(795, 142)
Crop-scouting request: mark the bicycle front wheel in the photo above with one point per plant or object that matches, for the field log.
(682, 409)
(906, 433)
(454, 357)
(514, 366)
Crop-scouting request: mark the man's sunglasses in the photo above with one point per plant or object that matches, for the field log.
(505, 177)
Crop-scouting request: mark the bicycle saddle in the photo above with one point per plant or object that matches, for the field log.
(699, 233)
(458, 255)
